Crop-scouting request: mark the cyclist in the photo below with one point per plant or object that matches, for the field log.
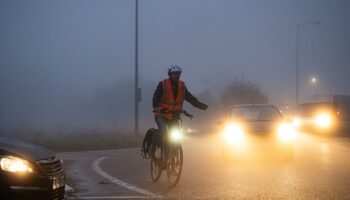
(168, 100)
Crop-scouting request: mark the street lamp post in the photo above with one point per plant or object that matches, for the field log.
(297, 72)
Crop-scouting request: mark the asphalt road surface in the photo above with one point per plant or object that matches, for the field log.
(320, 169)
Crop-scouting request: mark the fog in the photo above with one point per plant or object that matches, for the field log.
(70, 64)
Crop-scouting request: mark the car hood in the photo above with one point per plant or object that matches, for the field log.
(261, 127)
(26, 150)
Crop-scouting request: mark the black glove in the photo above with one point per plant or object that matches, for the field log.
(188, 115)
(203, 106)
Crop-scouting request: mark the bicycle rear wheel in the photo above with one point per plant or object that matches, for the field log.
(174, 165)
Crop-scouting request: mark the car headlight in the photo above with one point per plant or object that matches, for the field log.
(15, 164)
(286, 132)
(233, 134)
(176, 135)
(323, 120)
(189, 130)
(296, 122)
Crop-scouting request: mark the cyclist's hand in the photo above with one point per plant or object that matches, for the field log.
(204, 106)
(188, 115)
(156, 110)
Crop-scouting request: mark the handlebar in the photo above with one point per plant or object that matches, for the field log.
(187, 114)
(176, 112)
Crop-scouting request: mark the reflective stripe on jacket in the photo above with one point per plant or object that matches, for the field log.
(168, 103)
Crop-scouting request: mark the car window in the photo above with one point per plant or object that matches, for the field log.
(343, 108)
(256, 113)
(310, 109)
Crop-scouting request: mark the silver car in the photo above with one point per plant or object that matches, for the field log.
(251, 130)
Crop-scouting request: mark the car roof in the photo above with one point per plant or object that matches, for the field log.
(315, 102)
(253, 105)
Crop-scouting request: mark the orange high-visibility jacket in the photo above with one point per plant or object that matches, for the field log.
(167, 102)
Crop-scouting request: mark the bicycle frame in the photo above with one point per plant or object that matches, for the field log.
(171, 153)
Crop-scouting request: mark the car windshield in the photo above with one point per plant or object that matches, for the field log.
(309, 109)
(256, 113)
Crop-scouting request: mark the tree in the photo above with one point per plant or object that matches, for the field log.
(242, 92)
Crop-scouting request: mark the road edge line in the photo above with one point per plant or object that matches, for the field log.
(97, 169)
(68, 189)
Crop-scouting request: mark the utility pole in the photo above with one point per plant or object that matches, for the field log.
(298, 67)
(137, 92)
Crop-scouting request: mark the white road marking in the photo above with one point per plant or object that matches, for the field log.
(97, 169)
(68, 189)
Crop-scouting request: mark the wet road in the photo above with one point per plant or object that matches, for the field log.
(320, 170)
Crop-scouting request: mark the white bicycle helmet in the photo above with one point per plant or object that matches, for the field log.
(174, 68)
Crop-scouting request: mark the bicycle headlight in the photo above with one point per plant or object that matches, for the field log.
(176, 135)
(15, 164)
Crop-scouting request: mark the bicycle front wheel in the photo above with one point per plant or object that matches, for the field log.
(156, 165)
(174, 165)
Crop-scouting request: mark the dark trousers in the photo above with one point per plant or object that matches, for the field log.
(164, 125)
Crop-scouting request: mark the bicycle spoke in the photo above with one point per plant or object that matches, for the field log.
(155, 166)
(175, 167)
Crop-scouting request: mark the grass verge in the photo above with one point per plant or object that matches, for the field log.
(79, 141)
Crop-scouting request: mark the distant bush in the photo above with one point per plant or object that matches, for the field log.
(242, 92)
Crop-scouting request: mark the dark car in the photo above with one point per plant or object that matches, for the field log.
(315, 117)
(331, 117)
(29, 171)
(252, 130)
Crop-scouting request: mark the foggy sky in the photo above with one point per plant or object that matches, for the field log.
(71, 63)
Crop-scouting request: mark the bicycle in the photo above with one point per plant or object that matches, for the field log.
(167, 154)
